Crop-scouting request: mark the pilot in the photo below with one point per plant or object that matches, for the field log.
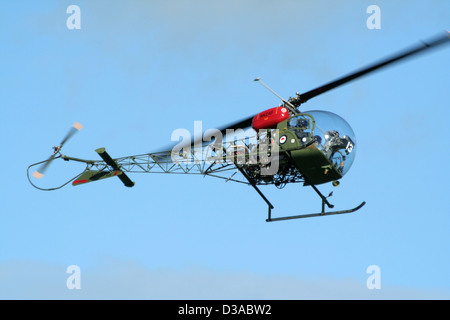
(298, 126)
(333, 143)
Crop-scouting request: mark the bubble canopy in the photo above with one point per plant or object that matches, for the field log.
(332, 135)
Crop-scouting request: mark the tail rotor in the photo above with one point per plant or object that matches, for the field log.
(39, 174)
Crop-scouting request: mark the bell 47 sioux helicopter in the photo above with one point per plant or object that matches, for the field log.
(285, 145)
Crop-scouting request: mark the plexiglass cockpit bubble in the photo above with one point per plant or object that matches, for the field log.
(331, 134)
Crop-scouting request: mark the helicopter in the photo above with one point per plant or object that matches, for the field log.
(283, 145)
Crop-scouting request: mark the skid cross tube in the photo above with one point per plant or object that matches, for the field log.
(324, 199)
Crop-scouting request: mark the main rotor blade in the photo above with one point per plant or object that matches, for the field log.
(432, 43)
(244, 123)
(241, 124)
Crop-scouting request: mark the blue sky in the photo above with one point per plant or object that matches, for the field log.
(137, 70)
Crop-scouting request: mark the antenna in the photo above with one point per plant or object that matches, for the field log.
(289, 105)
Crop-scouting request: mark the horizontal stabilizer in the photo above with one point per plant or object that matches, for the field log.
(107, 158)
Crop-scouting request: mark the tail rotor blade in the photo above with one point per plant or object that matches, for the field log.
(39, 174)
(75, 128)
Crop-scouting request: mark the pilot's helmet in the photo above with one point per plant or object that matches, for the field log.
(303, 123)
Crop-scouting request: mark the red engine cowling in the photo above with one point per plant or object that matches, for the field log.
(270, 118)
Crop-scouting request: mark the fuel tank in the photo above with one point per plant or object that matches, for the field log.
(270, 118)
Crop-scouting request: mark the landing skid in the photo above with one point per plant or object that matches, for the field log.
(311, 215)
